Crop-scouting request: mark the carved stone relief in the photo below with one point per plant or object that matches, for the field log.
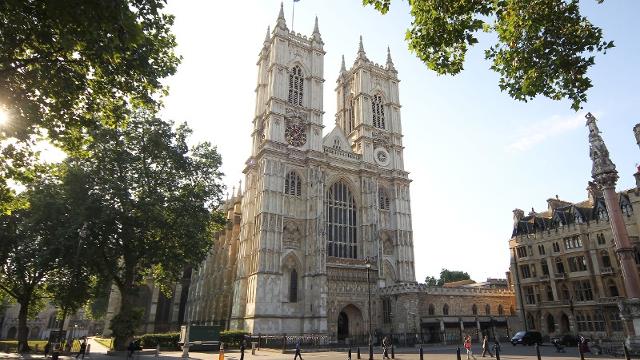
(291, 234)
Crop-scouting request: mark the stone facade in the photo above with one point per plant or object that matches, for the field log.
(566, 272)
(77, 325)
(321, 219)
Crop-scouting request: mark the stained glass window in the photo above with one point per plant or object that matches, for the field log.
(340, 219)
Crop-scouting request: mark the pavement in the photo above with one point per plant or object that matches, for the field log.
(438, 352)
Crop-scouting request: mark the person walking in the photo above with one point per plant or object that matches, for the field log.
(242, 349)
(467, 346)
(297, 351)
(485, 346)
(83, 348)
(385, 348)
(47, 349)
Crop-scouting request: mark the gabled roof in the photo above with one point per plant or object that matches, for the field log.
(337, 133)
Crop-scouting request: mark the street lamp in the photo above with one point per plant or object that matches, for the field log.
(368, 264)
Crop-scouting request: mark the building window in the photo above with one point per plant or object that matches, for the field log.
(541, 249)
(545, 267)
(572, 242)
(386, 310)
(602, 214)
(296, 86)
(487, 309)
(340, 217)
(582, 290)
(293, 286)
(524, 271)
(598, 321)
(533, 270)
(292, 184)
(432, 309)
(556, 247)
(564, 290)
(615, 321)
(559, 266)
(383, 199)
(474, 309)
(627, 209)
(600, 238)
(549, 293)
(445, 309)
(500, 310)
(336, 144)
(529, 295)
(577, 263)
(377, 109)
(606, 261)
(613, 289)
(521, 251)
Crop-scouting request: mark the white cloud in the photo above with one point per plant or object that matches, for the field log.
(540, 131)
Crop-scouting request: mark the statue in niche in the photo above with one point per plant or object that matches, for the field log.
(291, 235)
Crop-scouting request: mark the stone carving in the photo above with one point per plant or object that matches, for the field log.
(381, 138)
(295, 114)
(603, 170)
(291, 235)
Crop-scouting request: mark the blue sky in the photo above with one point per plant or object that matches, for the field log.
(474, 154)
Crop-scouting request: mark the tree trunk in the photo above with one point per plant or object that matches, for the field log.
(128, 318)
(23, 345)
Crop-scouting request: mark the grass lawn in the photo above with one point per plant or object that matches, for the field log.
(13, 344)
(107, 342)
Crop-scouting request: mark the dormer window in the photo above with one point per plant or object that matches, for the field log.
(377, 109)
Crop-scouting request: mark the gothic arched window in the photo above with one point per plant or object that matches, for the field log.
(292, 184)
(474, 309)
(293, 286)
(432, 309)
(500, 310)
(487, 309)
(296, 86)
(606, 261)
(340, 217)
(383, 199)
(445, 309)
(377, 109)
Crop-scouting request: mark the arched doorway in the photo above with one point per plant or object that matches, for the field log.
(551, 324)
(564, 324)
(350, 323)
(343, 326)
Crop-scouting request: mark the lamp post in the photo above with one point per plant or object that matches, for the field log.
(368, 264)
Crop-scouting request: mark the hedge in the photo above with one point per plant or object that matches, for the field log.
(167, 341)
(232, 338)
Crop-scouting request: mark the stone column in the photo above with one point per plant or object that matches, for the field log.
(605, 175)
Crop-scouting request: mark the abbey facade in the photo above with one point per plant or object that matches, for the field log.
(322, 219)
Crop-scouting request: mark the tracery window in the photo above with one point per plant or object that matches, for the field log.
(296, 86)
(293, 286)
(336, 143)
(377, 109)
(292, 184)
(340, 217)
(383, 200)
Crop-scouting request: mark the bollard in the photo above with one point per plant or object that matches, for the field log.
(284, 343)
(358, 352)
(538, 351)
(626, 351)
(393, 353)
(349, 355)
(157, 355)
(221, 355)
(458, 353)
(421, 353)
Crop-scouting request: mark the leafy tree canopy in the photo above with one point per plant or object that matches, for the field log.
(64, 63)
(544, 47)
(447, 276)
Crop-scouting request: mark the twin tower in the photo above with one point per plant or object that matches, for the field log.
(320, 214)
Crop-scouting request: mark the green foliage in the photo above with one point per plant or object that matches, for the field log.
(232, 337)
(123, 324)
(167, 341)
(64, 63)
(545, 47)
(447, 276)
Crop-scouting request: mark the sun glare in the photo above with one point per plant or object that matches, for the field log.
(4, 116)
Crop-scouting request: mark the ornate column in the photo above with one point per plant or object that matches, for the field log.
(605, 175)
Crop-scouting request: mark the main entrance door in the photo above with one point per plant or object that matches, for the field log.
(343, 326)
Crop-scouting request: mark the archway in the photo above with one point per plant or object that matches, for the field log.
(564, 324)
(551, 324)
(350, 322)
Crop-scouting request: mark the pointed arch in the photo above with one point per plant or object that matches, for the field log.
(341, 221)
(293, 184)
(500, 310)
(389, 273)
(296, 85)
(377, 111)
(384, 203)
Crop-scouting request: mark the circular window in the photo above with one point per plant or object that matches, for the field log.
(382, 156)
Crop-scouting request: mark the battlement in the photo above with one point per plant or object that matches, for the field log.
(405, 288)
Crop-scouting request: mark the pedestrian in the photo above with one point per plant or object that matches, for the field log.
(131, 349)
(47, 349)
(297, 351)
(242, 349)
(485, 346)
(467, 346)
(83, 348)
(385, 347)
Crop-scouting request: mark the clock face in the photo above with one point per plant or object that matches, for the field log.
(295, 135)
(382, 157)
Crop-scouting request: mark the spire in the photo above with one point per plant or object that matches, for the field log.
(389, 61)
(267, 37)
(603, 171)
(240, 187)
(315, 27)
(281, 21)
(342, 67)
(361, 54)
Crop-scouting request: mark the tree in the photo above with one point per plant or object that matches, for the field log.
(149, 202)
(545, 47)
(64, 63)
(446, 276)
(35, 242)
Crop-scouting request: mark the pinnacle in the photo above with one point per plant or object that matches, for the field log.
(361, 53)
(343, 68)
(389, 61)
(267, 36)
(316, 30)
(281, 21)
